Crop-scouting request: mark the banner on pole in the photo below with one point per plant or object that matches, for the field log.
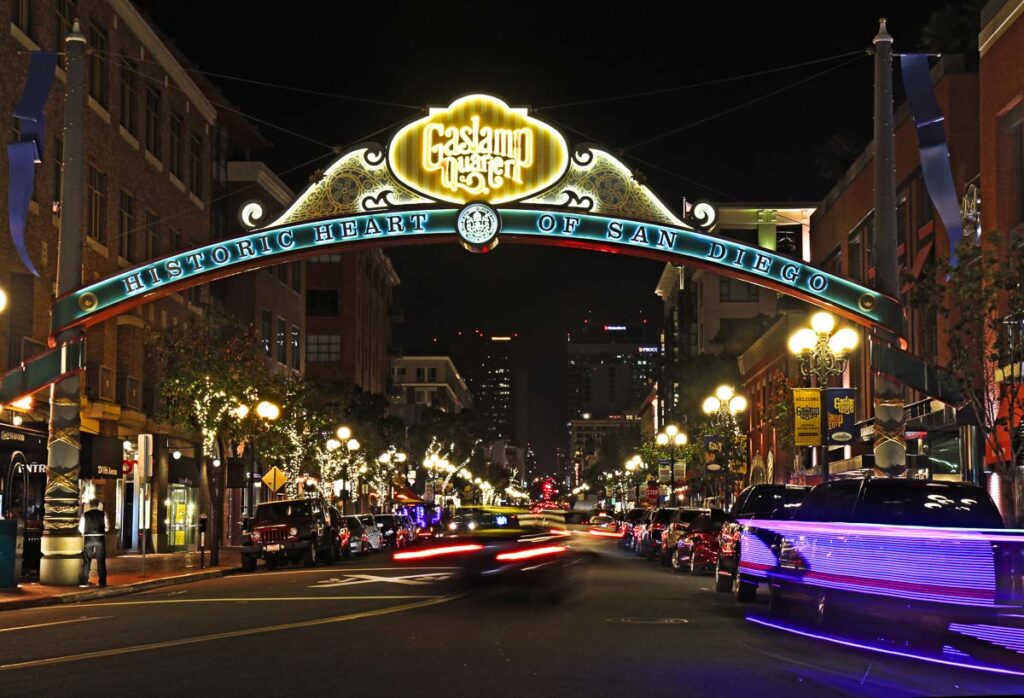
(806, 416)
(840, 405)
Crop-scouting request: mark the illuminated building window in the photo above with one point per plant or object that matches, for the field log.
(323, 348)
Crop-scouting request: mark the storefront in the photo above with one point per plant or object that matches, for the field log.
(182, 522)
(22, 472)
(102, 478)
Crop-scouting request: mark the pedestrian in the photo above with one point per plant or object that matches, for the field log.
(93, 527)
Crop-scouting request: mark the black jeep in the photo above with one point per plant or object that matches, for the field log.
(296, 530)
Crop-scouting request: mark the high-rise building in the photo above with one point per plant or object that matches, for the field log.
(611, 367)
(487, 363)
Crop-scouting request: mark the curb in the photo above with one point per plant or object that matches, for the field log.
(122, 590)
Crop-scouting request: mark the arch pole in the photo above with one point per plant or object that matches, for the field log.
(61, 542)
(890, 447)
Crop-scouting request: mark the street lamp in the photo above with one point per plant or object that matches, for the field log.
(268, 412)
(674, 439)
(390, 459)
(823, 353)
(344, 433)
(632, 465)
(723, 406)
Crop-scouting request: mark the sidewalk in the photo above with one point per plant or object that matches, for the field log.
(124, 576)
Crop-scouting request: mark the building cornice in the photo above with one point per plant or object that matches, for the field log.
(258, 172)
(998, 23)
(163, 56)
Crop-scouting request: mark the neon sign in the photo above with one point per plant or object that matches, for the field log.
(478, 149)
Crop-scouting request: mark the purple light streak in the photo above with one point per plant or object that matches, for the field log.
(884, 650)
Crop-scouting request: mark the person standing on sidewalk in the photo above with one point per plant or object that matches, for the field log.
(93, 527)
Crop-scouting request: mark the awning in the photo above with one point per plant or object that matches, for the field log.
(407, 496)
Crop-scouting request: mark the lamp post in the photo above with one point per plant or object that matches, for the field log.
(632, 465)
(267, 412)
(823, 352)
(674, 439)
(390, 459)
(721, 409)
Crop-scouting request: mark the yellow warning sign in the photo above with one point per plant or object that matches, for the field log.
(275, 479)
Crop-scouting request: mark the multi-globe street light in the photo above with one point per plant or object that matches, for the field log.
(823, 352)
(674, 439)
(268, 412)
(721, 409)
(390, 459)
(632, 465)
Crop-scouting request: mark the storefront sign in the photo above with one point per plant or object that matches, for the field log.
(840, 405)
(807, 416)
(478, 149)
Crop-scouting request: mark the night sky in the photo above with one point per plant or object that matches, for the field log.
(750, 139)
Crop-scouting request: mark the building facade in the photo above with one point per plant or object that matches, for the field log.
(498, 383)
(421, 382)
(349, 315)
(148, 134)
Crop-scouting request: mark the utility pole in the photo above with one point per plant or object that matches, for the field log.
(890, 447)
(61, 542)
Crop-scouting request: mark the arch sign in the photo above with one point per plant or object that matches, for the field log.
(479, 172)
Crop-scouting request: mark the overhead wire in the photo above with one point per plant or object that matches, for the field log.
(703, 83)
(742, 105)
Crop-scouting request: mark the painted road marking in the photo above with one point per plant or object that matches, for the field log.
(409, 579)
(50, 661)
(56, 622)
(248, 599)
(403, 568)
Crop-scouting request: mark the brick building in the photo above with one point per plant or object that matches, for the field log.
(147, 172)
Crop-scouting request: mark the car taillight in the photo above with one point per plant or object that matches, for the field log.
(530, 553)
(255, 536)
(657, 527)
(606, 534)
(438, 552)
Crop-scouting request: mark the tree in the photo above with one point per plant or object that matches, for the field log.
(983, 301)
(206, 368)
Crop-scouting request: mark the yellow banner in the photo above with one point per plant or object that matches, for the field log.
(807, 416)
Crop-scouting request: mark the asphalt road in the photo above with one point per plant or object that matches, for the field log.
(370, 628)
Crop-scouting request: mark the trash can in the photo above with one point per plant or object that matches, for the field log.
(11, 542)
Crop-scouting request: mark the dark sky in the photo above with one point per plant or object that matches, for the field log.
(741, 142)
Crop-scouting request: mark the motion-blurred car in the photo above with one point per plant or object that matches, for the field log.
(373, 531)
(632, 518)
(640, 529)
(650, 540)
(760, 501)
(531, 559)
(467, 520)
(697, 549)
(676, 528)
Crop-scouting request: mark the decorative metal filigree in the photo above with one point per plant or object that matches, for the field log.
(599, 183)
(357, 182)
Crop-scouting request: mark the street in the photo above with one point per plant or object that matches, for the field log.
(370, 627)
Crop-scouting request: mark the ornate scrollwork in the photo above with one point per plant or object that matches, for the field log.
(702, 215)
(357, 182)
(600, 183)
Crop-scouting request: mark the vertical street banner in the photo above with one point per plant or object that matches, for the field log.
(840, 404)
(714, 446)
(807, 416)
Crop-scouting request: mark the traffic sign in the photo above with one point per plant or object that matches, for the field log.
(275, 479)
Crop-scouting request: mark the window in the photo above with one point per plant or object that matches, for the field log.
(282, 341)
(195, 295)
(854, 251)
(282, 273)
(153, 120)
(129, 95)
(147, 250)
(58, 170)
(325, 259)
(1019, 148)
(432, 374)
(321, 302)
(268, 331)
(96, 182)
(733, 291)
(126, 225)
(64, 10)
(420, 374)
(297, 277)
(21, 16)
(174, 241)
(195, 159)
(925, 209)
(174, 156)
(832, 502)
(323, 348)
(99, 87)
(296, 347)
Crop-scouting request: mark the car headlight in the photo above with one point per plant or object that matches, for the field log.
(255, 535)
(452, 526)
(293, 531)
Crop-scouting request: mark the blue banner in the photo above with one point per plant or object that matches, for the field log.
(23, 156)
(931, 141)
(840, 410)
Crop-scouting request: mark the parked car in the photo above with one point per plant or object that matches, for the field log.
(394, 530)
(650, 540)
(640, 528)
(373, 531)
(803, 574)
(632, 518)
(412, 531)
(676, 528)
(697, 549)
(760, 501)
(296, 530)
(359, 538)
(344, 535)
